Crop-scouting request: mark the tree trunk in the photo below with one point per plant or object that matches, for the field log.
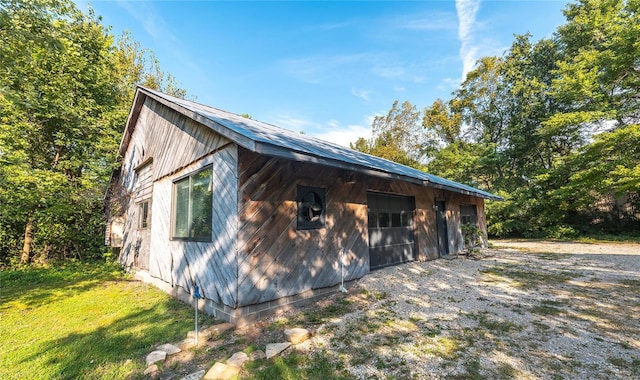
(28, 238)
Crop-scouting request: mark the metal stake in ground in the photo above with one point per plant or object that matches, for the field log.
(197, 296)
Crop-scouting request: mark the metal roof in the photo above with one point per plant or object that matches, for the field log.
(272, 140)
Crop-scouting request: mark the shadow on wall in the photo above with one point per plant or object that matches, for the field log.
(276, 259)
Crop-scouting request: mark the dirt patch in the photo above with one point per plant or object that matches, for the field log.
(527, 310)
(570, 247)
(542, 311)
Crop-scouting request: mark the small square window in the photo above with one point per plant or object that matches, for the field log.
(468, 214)
(373, 219)
(384, 220)
(396, 220)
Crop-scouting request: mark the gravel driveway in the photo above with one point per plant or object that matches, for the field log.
(525, 310)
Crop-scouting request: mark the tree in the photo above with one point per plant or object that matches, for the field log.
(65, 90)
(442, 126)
(56, 82)
(552, 126)
(396, 136)
(599, 78)
(482, 101)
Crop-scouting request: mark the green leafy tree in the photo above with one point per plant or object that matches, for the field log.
(599, 78)
(442, 126)
(396, 136)
(55, 84)
(65, 91)
(551, 126)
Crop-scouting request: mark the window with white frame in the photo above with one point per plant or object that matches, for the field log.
(193, 206)
(144, 218)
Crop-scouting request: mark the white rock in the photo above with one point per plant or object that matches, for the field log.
(203, 335)
(238, 359)
(170, 349)
(297, 335)
(218, 329)
(156, 356)
(274, 349)
(221, 371)
(152, 370)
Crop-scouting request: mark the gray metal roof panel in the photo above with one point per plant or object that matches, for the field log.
(268, 134)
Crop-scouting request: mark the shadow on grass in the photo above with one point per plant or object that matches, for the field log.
(103, 352)
(35, 286)
(84, 321)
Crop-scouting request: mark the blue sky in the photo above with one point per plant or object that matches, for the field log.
(325, 68)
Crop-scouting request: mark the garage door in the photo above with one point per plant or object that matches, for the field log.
(391, 238)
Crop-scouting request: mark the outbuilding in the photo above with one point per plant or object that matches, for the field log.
(261, 218)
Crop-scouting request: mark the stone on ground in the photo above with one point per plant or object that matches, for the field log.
(156, 356)
(215, 343)
(218, 329)
(194, 376)
(297, 335)
(274, 349)
(151, 371)
(257, 355)
(203, 335)
(170, 349)
(221, 371)
(238, 359)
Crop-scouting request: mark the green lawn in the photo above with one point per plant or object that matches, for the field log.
(82, 321)
(92, 321)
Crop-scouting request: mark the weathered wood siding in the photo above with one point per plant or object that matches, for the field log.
(171, 139)
(211, 265)
(143, 189)
(456, 240)
(274, 258)
(179, 146)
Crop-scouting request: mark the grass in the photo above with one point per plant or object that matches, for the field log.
(523, 277)
(584, 238)
(92, 321)
(609, 238)
(82, 321)
(295, 366)
(486, 321)
(549, 307)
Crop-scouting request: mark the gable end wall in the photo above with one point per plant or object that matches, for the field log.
(180, 146)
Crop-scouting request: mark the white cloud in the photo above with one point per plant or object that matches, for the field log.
(331, 131)
(391, 72)
(292, 123)
(418, 78)
(467, 10)
(150, 20)
(362, 94)
(342, 135)
(449, 84)
(423, 21)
